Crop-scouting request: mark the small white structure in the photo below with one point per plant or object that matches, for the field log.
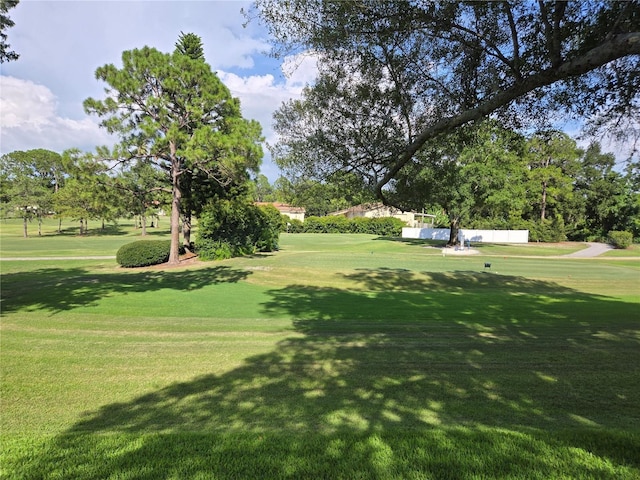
(468, 235)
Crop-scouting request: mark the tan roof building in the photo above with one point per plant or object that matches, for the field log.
(376, 210)
(294, 213)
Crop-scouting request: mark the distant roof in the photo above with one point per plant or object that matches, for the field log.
(365, 207)
(283, 207)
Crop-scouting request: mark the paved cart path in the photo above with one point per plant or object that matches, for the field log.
(593, 250)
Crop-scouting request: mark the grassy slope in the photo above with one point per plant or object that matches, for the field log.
(341, 356)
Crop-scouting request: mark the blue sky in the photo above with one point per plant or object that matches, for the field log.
(61, 43)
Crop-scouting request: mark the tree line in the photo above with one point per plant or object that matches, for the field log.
(488, 176)
(485, 176)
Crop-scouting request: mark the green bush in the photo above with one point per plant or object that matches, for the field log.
(620, 239)
(386, 226)
(209, 249)
(273, 223)
(294, 225)
(143, 253)
(547, 230)
(232, 228)
(383, 226)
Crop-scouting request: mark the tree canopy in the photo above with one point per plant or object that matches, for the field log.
(394, 76)
(172, 110)
(6, 55)
(28, 181)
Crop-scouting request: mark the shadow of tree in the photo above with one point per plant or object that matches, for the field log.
(393, 378)
(59, 289)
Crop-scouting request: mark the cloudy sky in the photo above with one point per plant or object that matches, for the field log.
(61, 43)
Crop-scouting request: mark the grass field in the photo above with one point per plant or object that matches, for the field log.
(340, 356)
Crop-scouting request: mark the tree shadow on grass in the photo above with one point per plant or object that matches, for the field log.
(56, 290)
(404, 374)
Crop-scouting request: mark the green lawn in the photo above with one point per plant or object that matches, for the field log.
(69, 243)
(340, 356)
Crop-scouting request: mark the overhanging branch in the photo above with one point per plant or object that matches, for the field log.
(614, 48)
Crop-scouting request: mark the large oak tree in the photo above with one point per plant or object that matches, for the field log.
(394, 76)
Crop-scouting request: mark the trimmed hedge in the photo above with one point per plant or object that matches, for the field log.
(143, 253)
(383, 226)
(620, 239)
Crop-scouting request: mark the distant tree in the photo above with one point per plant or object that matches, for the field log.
(476, 175)
(553, 163)
(86, 194)
(6, 55)
(337, 192)
(632, 174)
(263, 191)
(141, 191)
(606, 194)
(172, 110)
(395, 76)
(30, 179)
(190, 44)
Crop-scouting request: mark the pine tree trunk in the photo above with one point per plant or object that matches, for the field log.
(174, 252)
(24, 227)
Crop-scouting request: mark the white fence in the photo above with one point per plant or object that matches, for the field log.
(466, 235)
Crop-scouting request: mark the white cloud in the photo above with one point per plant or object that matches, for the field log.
(262, 95)
(300, 69)
(29, 119)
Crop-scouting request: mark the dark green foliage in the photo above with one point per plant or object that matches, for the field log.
(326, 225)
(231, 228)
(273, 223)
(211, 249)
(448, 64)
(174, 110)
(294, 226)
(143, 253)
(384, 226)
(547, 230)
(6, 55)
(620, 239)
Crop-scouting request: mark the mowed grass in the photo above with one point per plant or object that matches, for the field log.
(340, 356)
(69, 243)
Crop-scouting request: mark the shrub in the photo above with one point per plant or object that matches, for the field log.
(231, 228)
(547, 230)
(383, 226)
(386, 226)
(143, 253)
(620, 239)
(273, 222)
(294, 225)
(209, 249)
